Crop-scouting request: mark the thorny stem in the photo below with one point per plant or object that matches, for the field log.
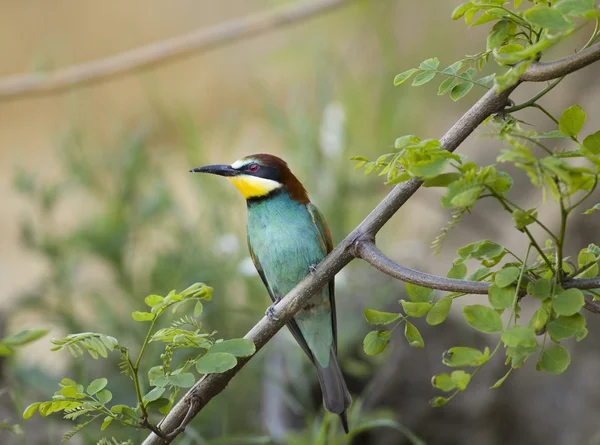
(135, 368)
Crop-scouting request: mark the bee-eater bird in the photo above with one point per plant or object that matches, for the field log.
(287, 238)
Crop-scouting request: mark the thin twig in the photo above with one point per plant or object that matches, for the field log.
(166, 50)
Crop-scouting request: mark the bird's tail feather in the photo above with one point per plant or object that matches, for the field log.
(336, 396)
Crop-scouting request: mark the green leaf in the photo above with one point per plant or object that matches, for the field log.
(460, 356)
(499, 34)
(215, 363)
(153, 300)
(519, 336)
(575, 8)
(376, 341)
(592, 142)
(540, 289)
(423, 78)
(547, 18)
(30, 410)
(415, 310)
(154, 394)
(107, 421)
(430, 64)
(438, 401)
(96, 386)
(523, 219)
(198, 309)
(554, 134)
(104, 396)
(461, 379)
(592, 210)
(418, 293)
(239, 347)
(184, 380)
(457, 271)
(555, 360)
(403, 77)
(413, 336)
(487, 252)
(460, 10)
(24, 336)
(507, 276)
(587, 261)
(460, 90)
(483, 318)
(443, 382)
(566, 327)
(447, 85)
(539, 320)
(142, 316)
(568, 302)
(405, 140)
(501, 297)
(439, 312)
(571, 120)
(442, 180)
(501, 380)
(380, 318)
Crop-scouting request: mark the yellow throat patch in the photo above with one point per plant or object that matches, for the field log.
(252, 186)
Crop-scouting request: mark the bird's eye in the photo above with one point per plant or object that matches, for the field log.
(253, 167)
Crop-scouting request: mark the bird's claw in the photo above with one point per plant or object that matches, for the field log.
(270, 312)
(312, 268)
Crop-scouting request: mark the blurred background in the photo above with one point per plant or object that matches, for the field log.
(99, 210)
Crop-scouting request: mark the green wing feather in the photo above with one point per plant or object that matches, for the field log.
(327, 244)
(292, 325)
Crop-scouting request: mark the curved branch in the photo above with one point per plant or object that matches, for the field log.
(492, 102)
(145, 56)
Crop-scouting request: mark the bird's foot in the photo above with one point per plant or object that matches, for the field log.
(312, 268)
(270, 312)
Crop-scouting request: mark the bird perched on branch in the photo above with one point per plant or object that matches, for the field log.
(287, 238)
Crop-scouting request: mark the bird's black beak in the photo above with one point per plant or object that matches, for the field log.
(219, 169)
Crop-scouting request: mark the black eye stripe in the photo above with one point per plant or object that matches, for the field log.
(263, 171)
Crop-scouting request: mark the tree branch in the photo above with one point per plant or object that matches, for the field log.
(492, 102)
(148, 55)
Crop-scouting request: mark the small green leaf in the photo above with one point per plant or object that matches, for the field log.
(153, 300)
(539, 320)
(107, 421)
(458, 271)
(592, 210)
(154, 394)
(501, 297)
(507, 276)
(443, 382)
(519, 336)
(499, 34)
(104, 396)
(24, 336)
(184, 380)
(423, 78)
(215, 363)
(547, 17)
(439, 312)
(576, 8)
(568, 302)
(460, 356)
(403, 77)
(405, 140)
(413, 336)
(442, 180)
(142, 316)
(380, 318)
(438, 401)
(447, 85)
(555, 360)
(571, 120)
(430, 64)
(460, 10)
(501, 380)
(376, 341)
(566, 327)
(198, 309)
(415, 310)
(461, 379)
(592, 142)
(587, 261)
(523, 219)
(418, 293)
(540, 289)
(239, 347)
(460, 90)
(96, 386)
(30, 410)
(483, 318)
